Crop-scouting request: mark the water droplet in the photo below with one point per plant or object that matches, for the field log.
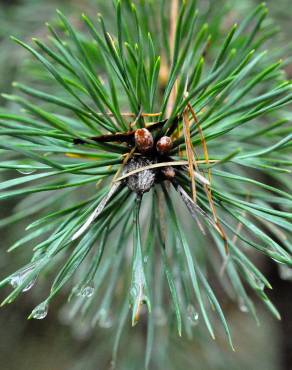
(106, 323)
(144, 299)
(159, 316)
(14, 281)
(26, 171)
(30, 285)
(17, 279)
(105, 319)
(145, 259)
(260, 284)
(192, 315)
(242, 306)
(86, 291)
(40, 311)
(134, 291)
(112, 365)
(285, 272)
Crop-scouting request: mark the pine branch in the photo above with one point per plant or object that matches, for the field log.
(73, 144)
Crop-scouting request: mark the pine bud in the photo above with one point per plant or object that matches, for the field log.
(168, 172)
(143, 140)
(164, 144)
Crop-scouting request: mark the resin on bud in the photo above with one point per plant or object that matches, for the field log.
(164, 145)
(143, 140)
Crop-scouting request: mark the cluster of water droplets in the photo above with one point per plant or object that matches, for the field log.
(40, 311)
(18, 279)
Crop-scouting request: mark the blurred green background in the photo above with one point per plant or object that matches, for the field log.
(53, 344)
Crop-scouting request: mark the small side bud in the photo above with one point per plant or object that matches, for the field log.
(168, 172)
(164, 144)
(143, 140)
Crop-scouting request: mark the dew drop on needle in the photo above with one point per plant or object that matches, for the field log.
(285, 272)
(192, 315)
(40, 311)
(242, 306)
(18, 279)
(86, 291)
(26, 171)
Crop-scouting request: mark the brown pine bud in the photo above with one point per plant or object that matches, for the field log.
(164, 145)
(143, 140)
(168, 172)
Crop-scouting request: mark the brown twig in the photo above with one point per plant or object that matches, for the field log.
(120, 137)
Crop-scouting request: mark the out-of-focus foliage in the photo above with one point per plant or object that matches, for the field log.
(251, 138)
